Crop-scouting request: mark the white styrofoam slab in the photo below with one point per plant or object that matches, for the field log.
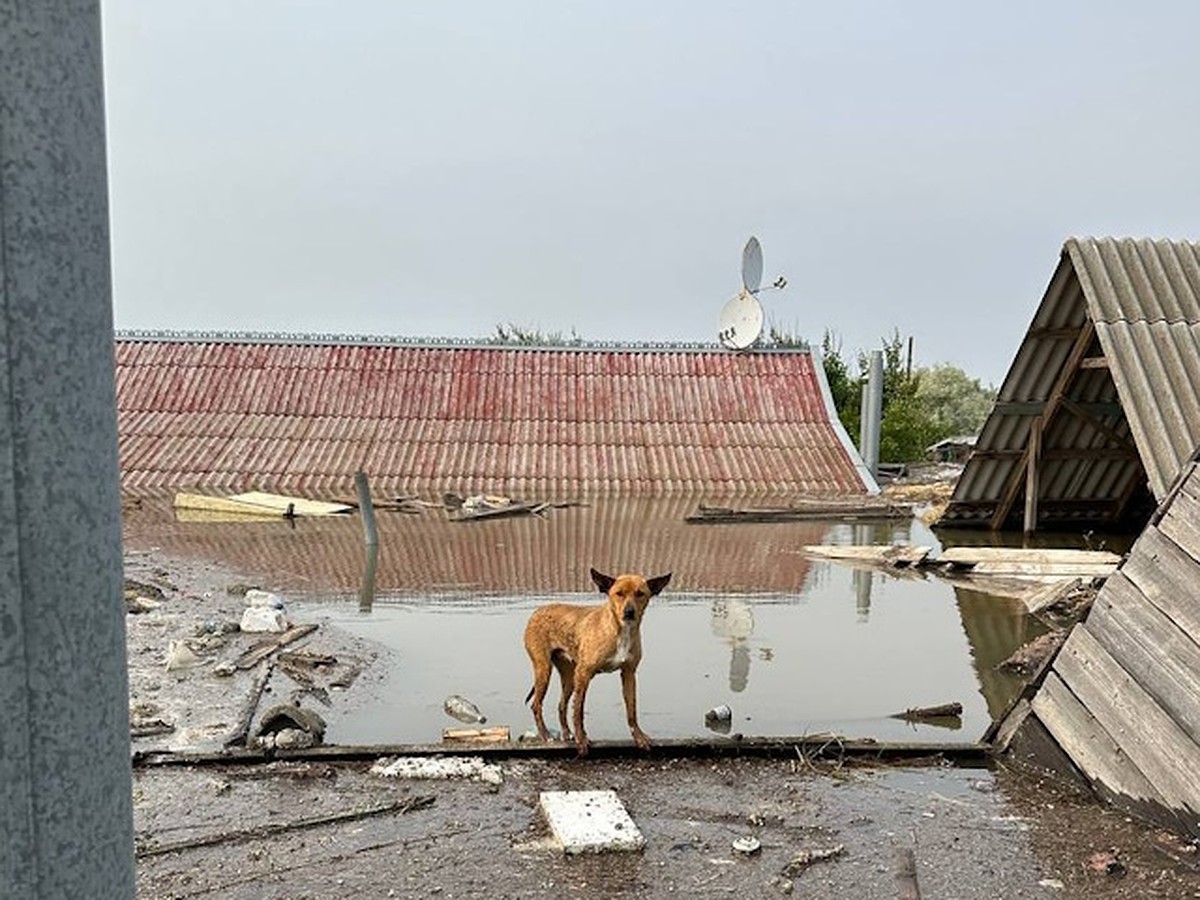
(590, 821)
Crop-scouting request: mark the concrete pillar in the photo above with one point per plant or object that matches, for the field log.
(66, 821)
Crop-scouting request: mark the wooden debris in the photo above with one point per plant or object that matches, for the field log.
(924, 713)
(858, 508)
(497, 735)
(806, 858)
(1050, 595)
(237, 738)
(263, 649)
(291, 506)
(498, 512)
(307, 658)
(409, 804)
(1031, 655)
(897, 555)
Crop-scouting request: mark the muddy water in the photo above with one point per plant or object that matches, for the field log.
(842, 653)
(790, 643)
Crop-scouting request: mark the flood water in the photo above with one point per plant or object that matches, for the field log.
(792, 644)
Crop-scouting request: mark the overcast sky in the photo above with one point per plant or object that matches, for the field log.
(434, 169)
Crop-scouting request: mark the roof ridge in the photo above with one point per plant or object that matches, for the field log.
(452, 343)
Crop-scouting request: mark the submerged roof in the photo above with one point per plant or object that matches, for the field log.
(1108, 367)
(304, 415)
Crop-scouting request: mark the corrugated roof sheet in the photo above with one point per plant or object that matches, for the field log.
(303, 417)
(1132, 416)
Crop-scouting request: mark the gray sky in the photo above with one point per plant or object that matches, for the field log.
(434, 169)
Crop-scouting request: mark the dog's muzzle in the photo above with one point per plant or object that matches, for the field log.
(629, 613)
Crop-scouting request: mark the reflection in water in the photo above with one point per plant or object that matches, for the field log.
(995, 627)
(733, 620)
(862, 578)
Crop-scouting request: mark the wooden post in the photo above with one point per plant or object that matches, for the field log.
(1033, 456)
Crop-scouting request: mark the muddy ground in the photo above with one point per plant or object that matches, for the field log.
(312, 829)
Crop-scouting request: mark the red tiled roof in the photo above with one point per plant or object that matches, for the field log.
(304, 417)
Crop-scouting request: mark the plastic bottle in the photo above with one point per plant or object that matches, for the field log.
(463, 709)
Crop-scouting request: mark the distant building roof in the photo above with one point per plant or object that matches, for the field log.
(303, 414)
(1109, 368)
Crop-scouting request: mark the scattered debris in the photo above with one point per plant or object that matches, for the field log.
(1014, 563)
(1026, 658)
(590, 821)
(719, 719)
(263, 619)
(806, 858)
(263, 599)
(289, 727)
(410, 804)
(488, 506)
(1181, 850)
(180, 656)
(138, 604)
(142, 589)
(436, 767)
(1106, 861)
(1053, 884)
(747, 846)
(463, 709)
(925, 713)
(497, 735)
(262, 650)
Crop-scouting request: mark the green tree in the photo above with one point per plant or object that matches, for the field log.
(955, 402)
(844, 388)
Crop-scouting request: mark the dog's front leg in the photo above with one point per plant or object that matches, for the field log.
(582, 678)
(629, 689)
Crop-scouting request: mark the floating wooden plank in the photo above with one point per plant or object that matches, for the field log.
(206, 508)
(498, 512)
(1089, 746)
(497, 735)
(858, 508)
(968, 556)
(1148, 645)
(886, 554)
(296, 506)
(1160, 749)
(1044, 569)
(1050, 595)
(924, 713)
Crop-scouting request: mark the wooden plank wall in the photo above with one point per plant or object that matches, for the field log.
(1122, 698)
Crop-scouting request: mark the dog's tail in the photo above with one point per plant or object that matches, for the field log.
(529, 696)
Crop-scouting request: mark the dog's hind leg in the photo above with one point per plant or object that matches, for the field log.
(566, 675)
(541, 683)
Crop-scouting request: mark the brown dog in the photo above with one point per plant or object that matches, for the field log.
(582, 641)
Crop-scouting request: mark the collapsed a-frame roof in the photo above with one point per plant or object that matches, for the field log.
(1102, 393)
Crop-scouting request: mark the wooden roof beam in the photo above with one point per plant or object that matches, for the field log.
(1016, 478)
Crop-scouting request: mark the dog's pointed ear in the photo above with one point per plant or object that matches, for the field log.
(604, 582)
(657, 583)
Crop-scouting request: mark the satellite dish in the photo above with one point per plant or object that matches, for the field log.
(752, 266)
(742, 317)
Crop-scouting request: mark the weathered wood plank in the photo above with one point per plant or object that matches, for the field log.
(971, 555)
(1160, 749)
(1045, 597)
(885, 554)
(1151, 648)
(1182, 523)
(1165, 575)
(1061, 570)
(1090, 747)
